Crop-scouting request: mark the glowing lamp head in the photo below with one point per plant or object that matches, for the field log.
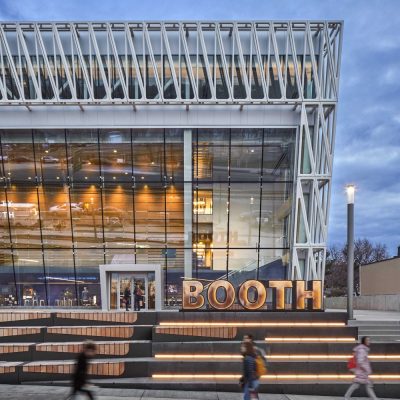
(350, 190)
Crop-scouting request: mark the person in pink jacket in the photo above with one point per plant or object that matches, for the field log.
(362, 370)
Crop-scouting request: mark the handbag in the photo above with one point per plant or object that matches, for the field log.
(352, 363)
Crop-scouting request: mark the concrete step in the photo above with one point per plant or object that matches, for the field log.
(181, 370)
(69, 350)
(252, 316)
(65, 333)
(232, 347)
(61, 318)
(193, 333)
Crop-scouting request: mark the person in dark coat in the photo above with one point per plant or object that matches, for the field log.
(249, 380)
(127, 297)
(79, 378)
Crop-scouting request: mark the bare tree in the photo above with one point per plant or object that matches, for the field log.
(365, 252)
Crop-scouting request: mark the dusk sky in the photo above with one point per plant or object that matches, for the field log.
(367, 149)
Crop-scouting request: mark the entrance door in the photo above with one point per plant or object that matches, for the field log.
(139, 285)
(127, 284)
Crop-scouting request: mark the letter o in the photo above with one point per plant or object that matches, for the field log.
(244, 295)
(212, 295)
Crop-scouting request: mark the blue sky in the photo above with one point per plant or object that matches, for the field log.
(368, 131)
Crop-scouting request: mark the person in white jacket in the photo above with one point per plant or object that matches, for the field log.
(362, 370)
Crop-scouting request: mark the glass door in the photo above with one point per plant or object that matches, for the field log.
(125, 292)
(139, 292)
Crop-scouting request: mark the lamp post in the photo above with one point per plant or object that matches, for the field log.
(350, 190)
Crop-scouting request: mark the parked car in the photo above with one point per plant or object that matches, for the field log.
(3, 158)
(50, 160)
(21, 159)
(62, 209)
(110, 212)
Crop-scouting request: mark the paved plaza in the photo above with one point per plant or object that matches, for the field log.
(33, 392)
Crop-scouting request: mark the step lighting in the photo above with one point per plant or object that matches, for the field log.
(310, 339)
(252, 324)
(304, 377)
(273, 356)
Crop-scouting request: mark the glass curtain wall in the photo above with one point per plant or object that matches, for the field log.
(73, 199)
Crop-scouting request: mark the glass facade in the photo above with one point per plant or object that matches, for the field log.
(73, 199)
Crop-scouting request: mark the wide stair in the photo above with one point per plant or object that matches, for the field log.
(308, 352)
(378, 331)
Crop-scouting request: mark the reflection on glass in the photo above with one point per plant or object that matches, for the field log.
(122, 191)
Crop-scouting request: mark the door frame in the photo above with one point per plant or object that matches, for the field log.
(139, 269)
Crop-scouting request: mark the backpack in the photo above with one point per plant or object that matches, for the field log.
(352, 363)
(260, 366)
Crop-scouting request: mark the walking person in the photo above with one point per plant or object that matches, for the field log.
(258, 350)
(137, 297)
(127, 298)
(249, 380)
(362, 369)
(81, 370)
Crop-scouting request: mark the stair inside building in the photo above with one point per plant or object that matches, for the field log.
(308, 351)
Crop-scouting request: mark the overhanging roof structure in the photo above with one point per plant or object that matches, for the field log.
(96, 63)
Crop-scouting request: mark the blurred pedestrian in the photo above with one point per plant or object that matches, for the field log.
(138, 297)
(127, 298)
(81, 370)
(249, 380)
(362, 369)
(259, 351)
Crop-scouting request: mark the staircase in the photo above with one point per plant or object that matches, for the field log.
(189, 350)
(378, 331)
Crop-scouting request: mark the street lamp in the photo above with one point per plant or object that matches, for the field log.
(350, 190)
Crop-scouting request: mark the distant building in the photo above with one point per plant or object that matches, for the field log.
(382, 277)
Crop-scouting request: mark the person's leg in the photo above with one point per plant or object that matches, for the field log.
(370, 391)
(246, 392)
(351, 390)
(87, 392)
(254, 386)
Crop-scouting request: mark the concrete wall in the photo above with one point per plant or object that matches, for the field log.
(377, 302)
(380, 278)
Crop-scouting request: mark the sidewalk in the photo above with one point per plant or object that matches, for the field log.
(32, 392)
(372, 315)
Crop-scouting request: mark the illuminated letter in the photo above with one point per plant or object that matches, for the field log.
(229, 295)
(300, 294)
(244, 295)
(192, 297)
(279, 293)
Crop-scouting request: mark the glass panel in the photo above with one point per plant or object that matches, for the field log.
(8, 293)
(23, 211)
(87, 218)
(116, 155)
(245, 215)
(57, 213)
(61, 280)
(18, 156)
(50, 155)
(83, 155)
(30, 277)
(88, 280)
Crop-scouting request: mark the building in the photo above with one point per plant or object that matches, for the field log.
(381, 277)
(203, 149)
